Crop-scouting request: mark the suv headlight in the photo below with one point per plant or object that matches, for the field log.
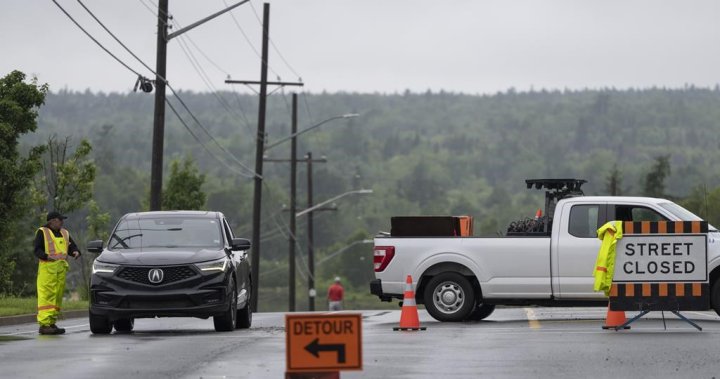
(217, 265)
(103, 267)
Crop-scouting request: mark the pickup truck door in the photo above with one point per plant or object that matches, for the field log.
(577, 247)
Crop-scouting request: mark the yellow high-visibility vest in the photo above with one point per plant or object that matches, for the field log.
(56, 247)
(604, 269)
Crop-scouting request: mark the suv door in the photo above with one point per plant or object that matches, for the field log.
(577, 249)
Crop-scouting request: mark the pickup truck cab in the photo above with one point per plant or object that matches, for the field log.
(463, 278)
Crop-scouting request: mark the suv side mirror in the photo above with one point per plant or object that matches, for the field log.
(240, 244)
(95, 246)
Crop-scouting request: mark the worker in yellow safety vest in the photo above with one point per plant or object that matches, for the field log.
(609, 234)
(52, 244)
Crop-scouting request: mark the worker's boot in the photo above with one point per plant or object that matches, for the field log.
(48, 330)
(59, 330)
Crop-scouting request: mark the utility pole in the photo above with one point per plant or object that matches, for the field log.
(156, 166)
(292, 239)
(293, 206)
(259, 151)
(311, 237)
(311, 229)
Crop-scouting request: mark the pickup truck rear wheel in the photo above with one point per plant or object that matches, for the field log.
(449, 296)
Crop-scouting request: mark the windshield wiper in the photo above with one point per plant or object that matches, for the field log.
(121, 241)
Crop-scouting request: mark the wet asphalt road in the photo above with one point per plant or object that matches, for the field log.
(512, 343)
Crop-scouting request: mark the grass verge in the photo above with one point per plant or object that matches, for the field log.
(14, 306)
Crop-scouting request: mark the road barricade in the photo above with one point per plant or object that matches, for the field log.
(661, 266)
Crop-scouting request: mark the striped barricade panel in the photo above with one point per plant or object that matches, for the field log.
(661, 296)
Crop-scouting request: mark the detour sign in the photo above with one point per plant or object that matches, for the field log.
(323, 342)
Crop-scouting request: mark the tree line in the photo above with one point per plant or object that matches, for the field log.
(429, 153)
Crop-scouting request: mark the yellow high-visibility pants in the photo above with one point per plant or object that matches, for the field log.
(50, 289)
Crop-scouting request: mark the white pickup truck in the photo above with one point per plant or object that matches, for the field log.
(464, 278)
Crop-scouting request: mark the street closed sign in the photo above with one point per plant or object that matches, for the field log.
(661, 258)
(323, 342)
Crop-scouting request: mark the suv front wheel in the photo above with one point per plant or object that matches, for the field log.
(100, 324)
(226, 321)
(244, 315)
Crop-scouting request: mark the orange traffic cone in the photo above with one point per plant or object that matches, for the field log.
(615, 319)
(409, 315)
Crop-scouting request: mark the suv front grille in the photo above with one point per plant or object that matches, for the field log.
(170, 274)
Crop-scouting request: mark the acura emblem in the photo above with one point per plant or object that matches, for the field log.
(156, 275)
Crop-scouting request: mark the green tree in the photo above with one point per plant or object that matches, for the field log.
(184, 188)
(64, 183)
(705, 203)
(67, 179)
(654, 185)
(613, 182)
(19, 103)
(97, 229)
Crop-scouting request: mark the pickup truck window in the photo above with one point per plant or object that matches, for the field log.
(584, 220)
(637, 213)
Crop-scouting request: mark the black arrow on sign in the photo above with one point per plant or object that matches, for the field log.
(315, 348)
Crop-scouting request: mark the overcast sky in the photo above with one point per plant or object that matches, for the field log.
(470, 46)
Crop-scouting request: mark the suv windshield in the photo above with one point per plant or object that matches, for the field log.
(166, 232)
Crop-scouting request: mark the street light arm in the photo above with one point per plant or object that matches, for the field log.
(348, 115)
(204, 20)
(326, 202)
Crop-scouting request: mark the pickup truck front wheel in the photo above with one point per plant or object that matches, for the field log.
(715, 296)
(449, 296)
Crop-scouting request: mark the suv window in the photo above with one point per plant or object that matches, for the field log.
(228, 232)
(584, 220)
(637, 213)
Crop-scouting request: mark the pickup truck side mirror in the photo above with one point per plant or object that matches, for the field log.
(95, 246)
(240, 244)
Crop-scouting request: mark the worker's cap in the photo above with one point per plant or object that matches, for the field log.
(337, 278)
(55, 214)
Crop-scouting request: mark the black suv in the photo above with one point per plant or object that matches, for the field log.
(170, 264)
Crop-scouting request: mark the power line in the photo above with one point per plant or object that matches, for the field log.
(162, 78)
(206, 79)
(276, 48)
(187, 127)
(192, 115)
(247, 39)
(96, 41)
(148, 7)
(307, 107)
(116, 39)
